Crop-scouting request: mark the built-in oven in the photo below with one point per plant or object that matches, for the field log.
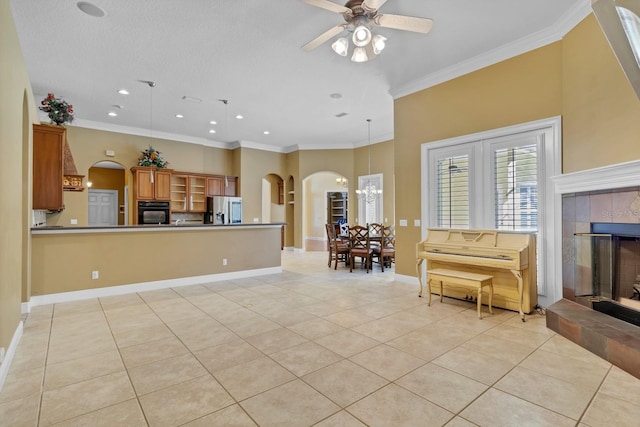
(153, 213)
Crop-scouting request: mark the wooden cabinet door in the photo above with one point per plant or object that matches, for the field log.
(197, 194)
(144, 184)
(179, 193)
(231, 187)
(215, 186)
(162, 184)
(48, 160)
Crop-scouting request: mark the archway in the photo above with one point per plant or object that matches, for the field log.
(107, 198)
(319, 192)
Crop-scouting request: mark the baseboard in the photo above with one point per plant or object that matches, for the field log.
(11, 351)
(145, 286)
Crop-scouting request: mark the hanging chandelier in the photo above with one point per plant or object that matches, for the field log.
(369, 193)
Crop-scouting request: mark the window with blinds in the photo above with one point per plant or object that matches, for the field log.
(516, 188)
(370, 211)
(452, 176)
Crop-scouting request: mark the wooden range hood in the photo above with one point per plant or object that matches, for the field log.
(71, 180)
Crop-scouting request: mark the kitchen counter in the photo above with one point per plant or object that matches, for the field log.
(86, 262)
(159, 227)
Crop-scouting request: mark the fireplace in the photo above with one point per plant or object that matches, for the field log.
(598, 273)
(607, 269)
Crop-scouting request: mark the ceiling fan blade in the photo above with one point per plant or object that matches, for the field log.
(401, 22)
(371, 5)
(324, 37)
(329, 5)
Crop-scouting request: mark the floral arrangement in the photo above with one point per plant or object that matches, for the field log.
(152, 157)
(58, 110)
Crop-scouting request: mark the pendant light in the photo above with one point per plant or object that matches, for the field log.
(369, 193)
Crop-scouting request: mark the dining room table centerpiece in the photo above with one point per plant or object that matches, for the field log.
(152, 157)
(58, 110)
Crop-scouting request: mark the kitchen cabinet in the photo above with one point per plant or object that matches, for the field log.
(48, 164)
(222, 186)
(188, 193)
(151, 183)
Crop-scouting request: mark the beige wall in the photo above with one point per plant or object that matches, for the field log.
(577, 78)
(17, 111)
(254, 166)
(64, 262)
(382, 155)
(601, 112)
(521, 89)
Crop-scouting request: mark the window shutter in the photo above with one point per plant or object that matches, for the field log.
(452, 175)
(516, 188)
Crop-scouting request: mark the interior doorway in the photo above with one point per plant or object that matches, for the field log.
(107, 175)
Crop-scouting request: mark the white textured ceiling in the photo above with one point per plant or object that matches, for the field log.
(249, 52)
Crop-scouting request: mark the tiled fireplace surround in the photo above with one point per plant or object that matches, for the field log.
(606, 195)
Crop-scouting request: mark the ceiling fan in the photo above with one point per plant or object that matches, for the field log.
(360, 16)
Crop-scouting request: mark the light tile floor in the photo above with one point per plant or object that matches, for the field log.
(310, 346)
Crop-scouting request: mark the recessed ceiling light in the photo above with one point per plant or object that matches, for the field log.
(213, 122)
(112, 113)
(212, 131)
(90, 9)
(118, 106)
(239, 117)
(335, 95)
(123, 92)
(341, 114)
(266, 132)
(180, 116)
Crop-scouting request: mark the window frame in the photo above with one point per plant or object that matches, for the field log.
(377, 179)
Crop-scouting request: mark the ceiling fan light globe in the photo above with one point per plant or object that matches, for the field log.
(341, 46)
(359, 55)
(361, 36)
(378, 43)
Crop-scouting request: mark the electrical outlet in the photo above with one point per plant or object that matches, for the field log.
(403, 223)
(224, 261)
(74, 221)
(95, 274)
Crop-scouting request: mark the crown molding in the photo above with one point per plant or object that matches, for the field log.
(620, 175)
(533, 41)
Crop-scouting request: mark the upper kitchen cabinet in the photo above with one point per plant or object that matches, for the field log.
(48, 164)
(222, 186)
(151, 183)
(188, 193)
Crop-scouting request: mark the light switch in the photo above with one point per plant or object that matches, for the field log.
(416, 223)
(403, 223)
(74, 221)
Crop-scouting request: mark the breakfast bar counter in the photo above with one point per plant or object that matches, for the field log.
(83, 262)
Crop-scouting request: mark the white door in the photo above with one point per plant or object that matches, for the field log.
(103, 207)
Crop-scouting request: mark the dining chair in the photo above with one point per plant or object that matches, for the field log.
(375, 234)
(360, 246)
(386, 252)
(338, 249)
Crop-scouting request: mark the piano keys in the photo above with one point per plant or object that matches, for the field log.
(510, 257)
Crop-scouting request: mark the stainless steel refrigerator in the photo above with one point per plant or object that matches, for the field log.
(223, 210)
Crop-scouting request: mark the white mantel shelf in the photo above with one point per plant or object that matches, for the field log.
(620, 175)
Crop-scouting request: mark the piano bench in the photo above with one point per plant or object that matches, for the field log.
(461, 278)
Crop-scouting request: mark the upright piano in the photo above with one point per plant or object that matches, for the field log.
(510, 257)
